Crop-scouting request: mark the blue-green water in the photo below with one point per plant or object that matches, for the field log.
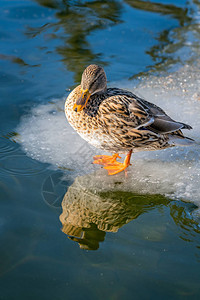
(146, 246)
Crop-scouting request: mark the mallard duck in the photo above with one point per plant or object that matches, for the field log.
(118, 121)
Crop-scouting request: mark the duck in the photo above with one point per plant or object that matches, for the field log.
(118, 121)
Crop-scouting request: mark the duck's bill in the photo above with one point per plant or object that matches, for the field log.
(82, 101)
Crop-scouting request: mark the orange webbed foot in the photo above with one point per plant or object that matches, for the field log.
(115, 168)
(111, 164)
(105, 159)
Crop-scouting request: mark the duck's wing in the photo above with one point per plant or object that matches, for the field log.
(121, 111)
(131, 111)
(162, 122)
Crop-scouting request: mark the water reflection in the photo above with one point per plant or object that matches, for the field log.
(89, 213)
(80, 19)
(164, 53)
(178, 13)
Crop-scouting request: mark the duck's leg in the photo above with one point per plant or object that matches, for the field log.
(105, 159)
(117, 167)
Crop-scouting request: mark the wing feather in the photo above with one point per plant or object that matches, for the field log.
(162, 123)
(132, 111)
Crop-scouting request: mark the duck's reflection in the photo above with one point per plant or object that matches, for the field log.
(88, 213)
(87, 237)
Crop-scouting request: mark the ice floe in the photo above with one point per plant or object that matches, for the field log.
(45, 135)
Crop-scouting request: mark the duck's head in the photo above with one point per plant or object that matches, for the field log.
(93, 81)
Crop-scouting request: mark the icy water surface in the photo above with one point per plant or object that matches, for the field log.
(136, 237)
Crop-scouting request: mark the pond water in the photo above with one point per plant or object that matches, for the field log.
(68, 231)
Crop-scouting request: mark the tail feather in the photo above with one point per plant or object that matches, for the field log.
(186, 126)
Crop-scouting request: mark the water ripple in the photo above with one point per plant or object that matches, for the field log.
(21, 165)
(7, 146)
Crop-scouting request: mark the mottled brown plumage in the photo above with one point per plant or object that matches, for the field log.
(118, 121)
